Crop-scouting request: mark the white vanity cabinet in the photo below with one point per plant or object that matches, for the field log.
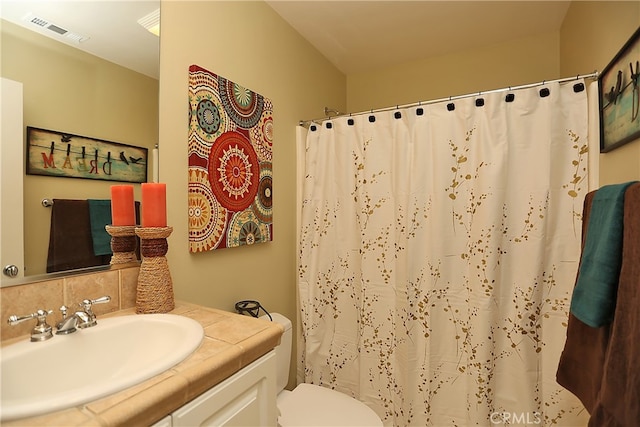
(247, 398)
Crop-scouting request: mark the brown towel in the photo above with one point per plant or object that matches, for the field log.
(582, 360)
(70, 243)
(619, 403)
(601, 366)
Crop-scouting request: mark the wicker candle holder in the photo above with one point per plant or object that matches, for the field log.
(123, 243)
(155, 288)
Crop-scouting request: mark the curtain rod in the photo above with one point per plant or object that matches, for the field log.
(593, 75)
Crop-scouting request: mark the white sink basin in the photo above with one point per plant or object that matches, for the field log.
(69, 370)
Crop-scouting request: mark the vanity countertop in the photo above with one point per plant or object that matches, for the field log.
(231, 342)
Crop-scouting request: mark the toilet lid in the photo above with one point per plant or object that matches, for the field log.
(312, 405)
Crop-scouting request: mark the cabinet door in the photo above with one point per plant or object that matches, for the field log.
(247, 398)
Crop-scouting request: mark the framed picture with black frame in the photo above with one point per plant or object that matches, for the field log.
(619, 97)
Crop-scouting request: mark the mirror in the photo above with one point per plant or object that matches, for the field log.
(91, 71)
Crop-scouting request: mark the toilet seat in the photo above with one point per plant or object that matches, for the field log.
(307, 405)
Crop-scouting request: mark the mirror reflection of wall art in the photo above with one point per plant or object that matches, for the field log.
(619, 87)
(54, 153)
(230, 169)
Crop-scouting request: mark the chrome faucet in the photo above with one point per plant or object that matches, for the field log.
(84, 318)
(67, 325)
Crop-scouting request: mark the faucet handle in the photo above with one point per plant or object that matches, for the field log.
(91, 317)
(42, 331)
(87, 303)
(102, 300)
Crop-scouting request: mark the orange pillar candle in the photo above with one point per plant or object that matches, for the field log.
(154, 204)
(123, 209)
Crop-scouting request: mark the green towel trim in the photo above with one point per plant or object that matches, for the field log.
(594, 296)
(99, 217)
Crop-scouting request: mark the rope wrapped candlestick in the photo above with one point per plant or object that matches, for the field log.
(123, 243)
(155, 288)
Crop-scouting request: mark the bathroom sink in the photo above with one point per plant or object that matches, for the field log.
(69, 370)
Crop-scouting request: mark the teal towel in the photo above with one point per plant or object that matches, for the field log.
(594, 296)
(99, 217)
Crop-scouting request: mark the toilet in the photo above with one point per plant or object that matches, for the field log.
(312, 405)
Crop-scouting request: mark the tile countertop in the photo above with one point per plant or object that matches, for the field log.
(231, 342)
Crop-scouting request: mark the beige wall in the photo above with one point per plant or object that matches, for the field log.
(248, 43)
(70, 91)
(591, 35)
(511, 63)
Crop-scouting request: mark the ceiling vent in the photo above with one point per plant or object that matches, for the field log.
(151, 22)
(47, 25)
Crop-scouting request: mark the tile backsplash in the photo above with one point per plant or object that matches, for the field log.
(21, 300)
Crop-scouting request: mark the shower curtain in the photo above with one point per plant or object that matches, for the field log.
(438, 249)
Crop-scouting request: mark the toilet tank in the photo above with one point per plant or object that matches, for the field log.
(283, 351)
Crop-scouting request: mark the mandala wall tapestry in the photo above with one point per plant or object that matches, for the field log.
(230, 148)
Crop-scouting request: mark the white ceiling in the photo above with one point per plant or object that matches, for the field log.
(355, 36)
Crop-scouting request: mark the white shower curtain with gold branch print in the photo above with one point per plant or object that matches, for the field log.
(439, 246)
